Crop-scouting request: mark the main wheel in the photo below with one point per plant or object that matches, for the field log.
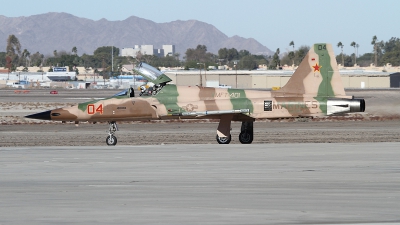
(224, 140)
(111, 140)
(245, 137)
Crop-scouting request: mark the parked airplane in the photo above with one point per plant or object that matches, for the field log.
(315, 89)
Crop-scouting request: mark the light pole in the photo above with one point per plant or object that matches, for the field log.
(235, 62)
(119, 77)
(201, 77)
(357, 45)
(112, 59)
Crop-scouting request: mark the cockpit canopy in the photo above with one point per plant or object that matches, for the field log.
(147, 70)
(151, 74)
(156, 81)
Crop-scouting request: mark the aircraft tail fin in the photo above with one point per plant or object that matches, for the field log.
(317, 74)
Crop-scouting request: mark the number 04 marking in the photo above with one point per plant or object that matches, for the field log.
(91, 109)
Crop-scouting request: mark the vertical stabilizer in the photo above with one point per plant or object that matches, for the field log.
(317, 75)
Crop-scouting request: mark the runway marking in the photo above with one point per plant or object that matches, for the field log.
(106, 185)
(85, 98)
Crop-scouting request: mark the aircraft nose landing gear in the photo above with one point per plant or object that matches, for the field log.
(224, 140)
(111, 139)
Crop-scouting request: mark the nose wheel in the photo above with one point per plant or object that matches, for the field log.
(111, 139)
(224, 140)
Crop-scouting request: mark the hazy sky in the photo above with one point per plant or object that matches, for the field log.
(273, 23)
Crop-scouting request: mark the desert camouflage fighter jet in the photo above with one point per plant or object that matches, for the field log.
(315, 89)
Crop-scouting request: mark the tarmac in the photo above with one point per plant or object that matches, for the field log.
(333, 170)
(301, 183)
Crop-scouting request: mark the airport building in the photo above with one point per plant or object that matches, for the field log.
(148, 50)
(266, 79)
(371, 77)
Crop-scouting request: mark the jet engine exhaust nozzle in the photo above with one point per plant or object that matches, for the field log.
(338, 106)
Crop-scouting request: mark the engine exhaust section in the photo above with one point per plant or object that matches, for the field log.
(340, 106)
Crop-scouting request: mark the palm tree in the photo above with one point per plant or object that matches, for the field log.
(292, 44)
(292, 55)
(25, 55)
(28, 57)
(75, 50)
(341, 46)
(177, 56)
(357, 45)
(374, 42)
(276, 59)
(353, 44)
(55, 53)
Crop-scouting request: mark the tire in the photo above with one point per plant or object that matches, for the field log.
(111, 140)
(245, 138)
(224, 140)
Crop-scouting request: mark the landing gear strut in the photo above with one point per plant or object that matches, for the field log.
(246, 132)
(111, 139)
(224, 130)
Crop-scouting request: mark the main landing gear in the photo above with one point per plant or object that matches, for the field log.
(111, 139)
(224, 134)
(246, 132)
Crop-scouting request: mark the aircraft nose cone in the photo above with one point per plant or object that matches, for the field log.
(40, 116)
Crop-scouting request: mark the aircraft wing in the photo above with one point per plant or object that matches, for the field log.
(238, 115)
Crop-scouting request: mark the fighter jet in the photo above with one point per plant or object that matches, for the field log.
(315, 89)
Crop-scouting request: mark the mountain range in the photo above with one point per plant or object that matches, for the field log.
(62, 31)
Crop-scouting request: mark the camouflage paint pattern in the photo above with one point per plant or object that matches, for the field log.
(316, 80)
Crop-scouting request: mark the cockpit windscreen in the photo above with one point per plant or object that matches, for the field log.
(122, 93)
(148, 70)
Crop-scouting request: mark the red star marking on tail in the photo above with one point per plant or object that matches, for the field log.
(317, 67)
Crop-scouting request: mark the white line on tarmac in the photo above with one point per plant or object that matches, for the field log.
(86, 98)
